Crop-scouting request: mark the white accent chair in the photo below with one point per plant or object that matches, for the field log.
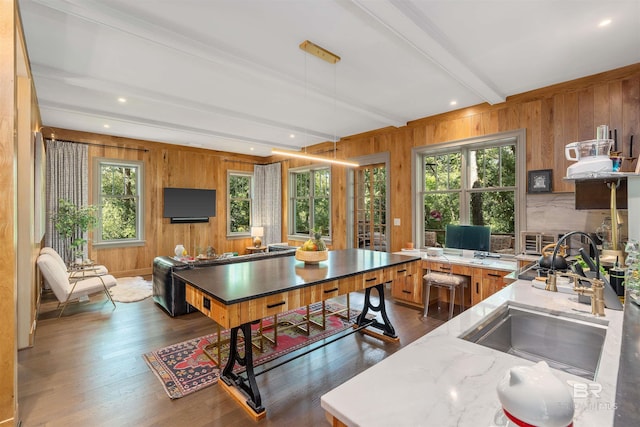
(68, 286)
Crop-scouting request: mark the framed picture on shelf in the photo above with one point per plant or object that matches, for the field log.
(540, 181)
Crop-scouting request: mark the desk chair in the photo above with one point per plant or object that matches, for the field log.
(444, 280)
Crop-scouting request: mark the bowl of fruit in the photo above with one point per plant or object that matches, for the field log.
(313, 251)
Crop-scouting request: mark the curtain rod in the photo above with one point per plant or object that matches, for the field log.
(100, 145)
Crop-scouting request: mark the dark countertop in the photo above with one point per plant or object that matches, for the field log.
(628, 385)
(234, 283)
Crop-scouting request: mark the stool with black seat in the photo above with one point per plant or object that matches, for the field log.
(446, 280)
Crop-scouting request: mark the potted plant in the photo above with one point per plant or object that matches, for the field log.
(72, 222)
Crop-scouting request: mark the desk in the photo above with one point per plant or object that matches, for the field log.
(237, 295)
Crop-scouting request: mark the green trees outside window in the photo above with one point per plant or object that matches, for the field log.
(468, 185)
(239, 195)
(310, 201)
(119, 201)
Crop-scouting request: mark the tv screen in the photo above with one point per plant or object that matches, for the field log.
(472, 237)
(189, 204)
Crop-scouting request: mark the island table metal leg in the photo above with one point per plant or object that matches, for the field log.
(389, 333)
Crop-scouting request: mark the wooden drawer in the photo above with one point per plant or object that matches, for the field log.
(260, 308)
(225, 316)
(372, 278)
(407, 286)
(321, 292)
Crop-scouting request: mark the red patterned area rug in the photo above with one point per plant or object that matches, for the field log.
(184, 368)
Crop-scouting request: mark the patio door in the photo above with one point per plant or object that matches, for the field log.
(370, 207)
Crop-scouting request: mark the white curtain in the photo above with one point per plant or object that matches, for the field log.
(267, 201)
(67, 178)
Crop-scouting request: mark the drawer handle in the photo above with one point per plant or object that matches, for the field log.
(445, 268)
(494, 275)
(328, 291)
(276, 304)
(402, 271)
(370, 280)
(405, 291)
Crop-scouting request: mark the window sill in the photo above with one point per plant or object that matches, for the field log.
(120, 244)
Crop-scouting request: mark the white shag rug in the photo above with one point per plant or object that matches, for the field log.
(130, 289)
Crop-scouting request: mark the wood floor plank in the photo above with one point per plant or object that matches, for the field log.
(86, 368)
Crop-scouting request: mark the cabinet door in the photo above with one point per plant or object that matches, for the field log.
(492, 282)
(407, 286)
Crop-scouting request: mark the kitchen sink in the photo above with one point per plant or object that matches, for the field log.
(570, 344)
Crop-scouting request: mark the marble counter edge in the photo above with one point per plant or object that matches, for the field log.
(468, 367)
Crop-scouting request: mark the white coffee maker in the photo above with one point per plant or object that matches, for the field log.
(592, 157)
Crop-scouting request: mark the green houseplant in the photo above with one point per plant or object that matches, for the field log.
(72, 222)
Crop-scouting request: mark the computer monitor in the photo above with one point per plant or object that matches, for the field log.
(472, 237)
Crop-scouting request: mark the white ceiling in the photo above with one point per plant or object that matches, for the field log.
(229, 75)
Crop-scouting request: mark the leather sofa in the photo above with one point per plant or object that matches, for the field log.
(169, 291)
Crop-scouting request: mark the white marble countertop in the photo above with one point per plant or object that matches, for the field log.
(442, 380)
(466, 259)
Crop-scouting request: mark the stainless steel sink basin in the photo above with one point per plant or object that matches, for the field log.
(566, 343)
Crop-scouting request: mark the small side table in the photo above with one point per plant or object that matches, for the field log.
(253, 249)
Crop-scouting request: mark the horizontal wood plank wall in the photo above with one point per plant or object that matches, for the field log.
(553, 117)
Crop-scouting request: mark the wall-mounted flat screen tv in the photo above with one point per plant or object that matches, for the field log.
(472, 237)
(189, 204)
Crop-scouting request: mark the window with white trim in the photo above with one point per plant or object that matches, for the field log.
(119, 185)
(476, 184)
(310, 202)
(239, 199)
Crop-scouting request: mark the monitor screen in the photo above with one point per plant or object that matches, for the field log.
(189, 203)
(472, 237)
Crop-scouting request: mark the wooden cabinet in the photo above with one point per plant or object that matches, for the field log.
(486, 282)
(407, 284)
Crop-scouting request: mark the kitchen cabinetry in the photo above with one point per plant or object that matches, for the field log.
(407, 284)
(486, 282)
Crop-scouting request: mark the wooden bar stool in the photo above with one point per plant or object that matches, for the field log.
(444, 280)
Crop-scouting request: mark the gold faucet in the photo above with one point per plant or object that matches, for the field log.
(596, 291)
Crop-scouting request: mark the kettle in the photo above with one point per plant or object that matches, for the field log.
(558, 262)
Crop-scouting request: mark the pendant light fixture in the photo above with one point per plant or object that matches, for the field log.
(331, 58)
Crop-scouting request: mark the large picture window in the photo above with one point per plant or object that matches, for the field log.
(239, 196)
(310, 201)
(474, 184)
(119, 185)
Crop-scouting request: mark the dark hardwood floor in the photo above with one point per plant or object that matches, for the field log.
(86, 369)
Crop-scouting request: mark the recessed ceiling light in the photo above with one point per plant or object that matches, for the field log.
(604, 23)
(291, 135)
(122, 100)
(453, 103)
(250, 148)
(106, 126)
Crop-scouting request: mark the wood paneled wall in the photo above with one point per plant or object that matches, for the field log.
(552, 116)
(8, 232)
(166, 166)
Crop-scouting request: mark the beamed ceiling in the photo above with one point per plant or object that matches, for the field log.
(229, 75)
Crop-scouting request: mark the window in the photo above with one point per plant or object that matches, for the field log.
(239, 194)
(475, 183)
(119, 185)
(310, 201)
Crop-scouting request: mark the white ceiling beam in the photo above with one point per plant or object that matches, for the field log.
(62, 77)
(410, 25)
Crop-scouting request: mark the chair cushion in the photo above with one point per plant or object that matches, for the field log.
(435, 278)
(55, 275)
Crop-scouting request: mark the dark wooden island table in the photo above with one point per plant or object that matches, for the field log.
(237, 295)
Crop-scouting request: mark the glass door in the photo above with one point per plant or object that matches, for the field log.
(371, 207)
